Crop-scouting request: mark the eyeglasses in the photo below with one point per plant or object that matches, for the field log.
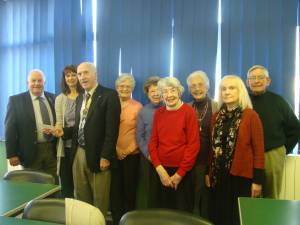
(195, 86)
(259, 78)
(172, 91)
(123, 86)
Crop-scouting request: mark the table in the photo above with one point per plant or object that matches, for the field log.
(14, 195)
(13, 220)
(260, 211)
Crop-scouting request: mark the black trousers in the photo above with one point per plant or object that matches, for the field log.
(202, 192)
(181, 199)
(66, 175)
(147, 175)
(124, 181)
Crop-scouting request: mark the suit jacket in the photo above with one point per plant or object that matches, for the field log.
(101, 128)
(20, 127)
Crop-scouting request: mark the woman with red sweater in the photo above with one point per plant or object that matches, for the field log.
(237, 160)
(174, 145)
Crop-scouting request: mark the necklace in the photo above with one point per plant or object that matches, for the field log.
(201, 114)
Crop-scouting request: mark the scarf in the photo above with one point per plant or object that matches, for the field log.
(223, 143)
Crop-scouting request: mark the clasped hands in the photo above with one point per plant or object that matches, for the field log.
(166, 180)
(55, 131)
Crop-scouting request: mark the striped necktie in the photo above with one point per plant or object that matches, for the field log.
(81, 140)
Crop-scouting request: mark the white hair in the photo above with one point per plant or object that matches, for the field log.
(169, 82)
(90, 65)
(264, 69)
(123, 77)
(36, 71)
(199, 73)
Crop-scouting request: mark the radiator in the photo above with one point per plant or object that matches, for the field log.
(291, 178)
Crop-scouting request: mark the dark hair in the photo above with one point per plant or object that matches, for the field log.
(153, 80)
(64, 87)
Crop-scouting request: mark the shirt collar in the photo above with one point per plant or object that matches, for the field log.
(34, 97)
(91, 92)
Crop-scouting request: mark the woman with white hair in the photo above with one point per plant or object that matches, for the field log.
(125, 177)
(205, 107)
(174, 145)
(237, 161)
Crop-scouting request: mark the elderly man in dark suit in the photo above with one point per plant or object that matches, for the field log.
(28, 118)
(95, 134)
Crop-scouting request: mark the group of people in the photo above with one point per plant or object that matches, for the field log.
(197, 157)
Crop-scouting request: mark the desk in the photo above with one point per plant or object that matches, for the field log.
(14, 195)
(16, 221)
(260, 211)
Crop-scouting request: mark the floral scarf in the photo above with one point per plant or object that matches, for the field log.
(223, 149)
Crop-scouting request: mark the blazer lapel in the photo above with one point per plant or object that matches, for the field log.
(29, 106)
(78, 108)
(51, 103)
(95, 98)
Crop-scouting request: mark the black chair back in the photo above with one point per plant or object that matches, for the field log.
(48, 210)
(29, 176)
(161, 217)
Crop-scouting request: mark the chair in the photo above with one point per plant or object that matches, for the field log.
(29, 176)
(79, 213)
(49, 210)
(161, 217)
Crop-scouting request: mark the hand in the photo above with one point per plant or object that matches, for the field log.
(164, 176)
(14, 161)
(122, 155)
(175, 179)
(104, 164)
(58, 132)
(256, 190)
(207, 181)
(48, 131)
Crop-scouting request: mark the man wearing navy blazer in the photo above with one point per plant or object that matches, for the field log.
(27, 141)
(95, 134)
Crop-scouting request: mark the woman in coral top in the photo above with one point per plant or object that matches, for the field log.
(174, 145)
(125, 177)
(237, 160)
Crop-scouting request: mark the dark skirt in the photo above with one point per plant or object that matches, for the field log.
(181, 199)
(224, 198)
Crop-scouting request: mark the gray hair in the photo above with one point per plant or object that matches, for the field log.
(199, 73)
(244, 99)
(90, 65)
(266, 72)
(123, 77)
(169, 82)
(36, 71)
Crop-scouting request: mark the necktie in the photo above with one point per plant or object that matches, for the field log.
(44, 112)
(81, 140)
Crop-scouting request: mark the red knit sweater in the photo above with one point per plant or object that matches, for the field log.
(174, 140)
(249, 149)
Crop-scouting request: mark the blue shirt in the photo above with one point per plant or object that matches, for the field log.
(144, 127)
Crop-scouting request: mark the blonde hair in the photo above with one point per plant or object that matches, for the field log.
(169, 82)
(244, 99)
